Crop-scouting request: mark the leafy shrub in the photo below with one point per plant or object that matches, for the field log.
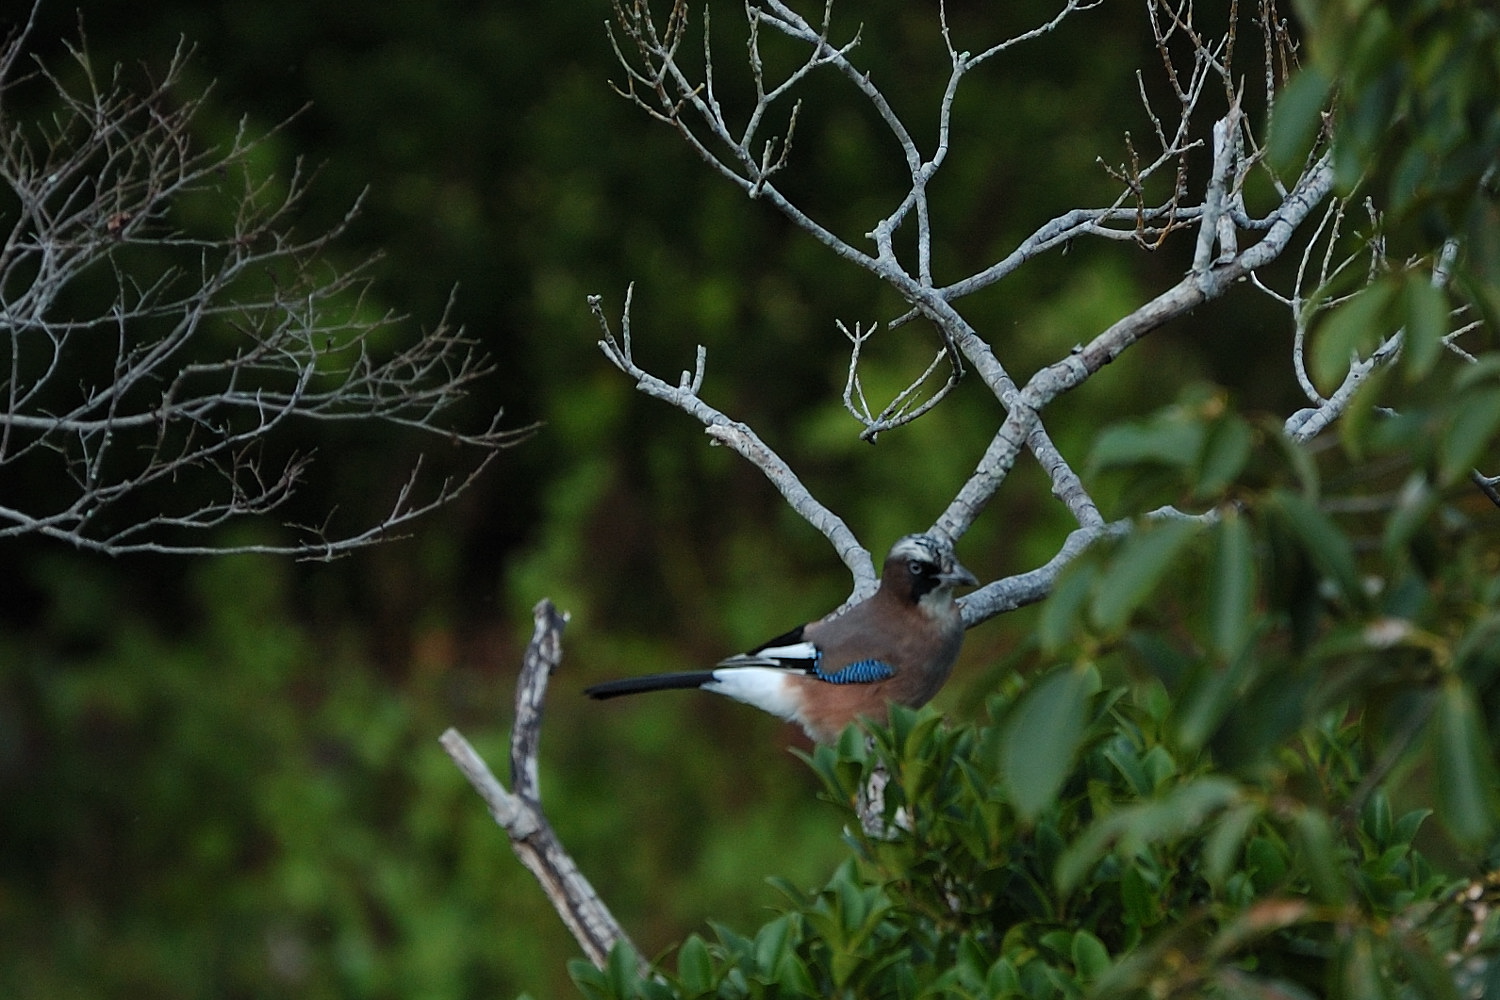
(1148, 871)
(1250, 757)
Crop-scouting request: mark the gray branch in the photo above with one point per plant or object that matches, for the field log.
(740, 438)
(519, 812)
(1231, 244)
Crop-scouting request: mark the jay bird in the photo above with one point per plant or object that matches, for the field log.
(898, 645)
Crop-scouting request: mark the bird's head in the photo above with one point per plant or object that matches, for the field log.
(922, 569)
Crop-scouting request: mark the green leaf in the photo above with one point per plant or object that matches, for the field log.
(1136, 569)
(1415, 503)
(969, 965)
(1360, 968)
(1058, 624)
(793, 977)
(1354, 328)
(1322, 862)
(1168, 438)
(1002, 979)
(1426, 325)
(1465, 765)
(1365, 427)
(590, 981)
(1408, 825)
(1431, 975)
(1298, 118)
(1090, 957)
(694, 967)
(1207, 699)
(1226, 841)
(1485, 371)
(1231, 601)
(1475, 417)
(1376, 819)
(1132, 829)
(1159, 766)
(1225, 453)
(1266, 861)
(1267, 710)
(1142, 901)
(1328, 547)
(1122, 754)
(622, 970)
(1041, 737)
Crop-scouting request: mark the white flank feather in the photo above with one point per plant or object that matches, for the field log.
(767, 688)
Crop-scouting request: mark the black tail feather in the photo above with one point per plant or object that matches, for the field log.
(651, 682)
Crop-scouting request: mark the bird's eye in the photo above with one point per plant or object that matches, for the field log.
(919, 568)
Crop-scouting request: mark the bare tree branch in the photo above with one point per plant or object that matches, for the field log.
(904, 407)
(661, 84)
(152, 361)
(739, 437)
(1232, 241)
(519, 812)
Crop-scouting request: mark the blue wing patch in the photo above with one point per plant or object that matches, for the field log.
(859, 672)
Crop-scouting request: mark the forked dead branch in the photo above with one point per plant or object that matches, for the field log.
(1232, 238)
(519, 811)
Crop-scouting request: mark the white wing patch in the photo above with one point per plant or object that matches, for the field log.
(793, 656)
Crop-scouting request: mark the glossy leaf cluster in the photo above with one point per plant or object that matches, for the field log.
(1249, 754)
(1146, 873)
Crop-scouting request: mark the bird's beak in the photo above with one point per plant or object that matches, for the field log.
(958, 576)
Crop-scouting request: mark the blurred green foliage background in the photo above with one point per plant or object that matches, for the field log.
(220, 777)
